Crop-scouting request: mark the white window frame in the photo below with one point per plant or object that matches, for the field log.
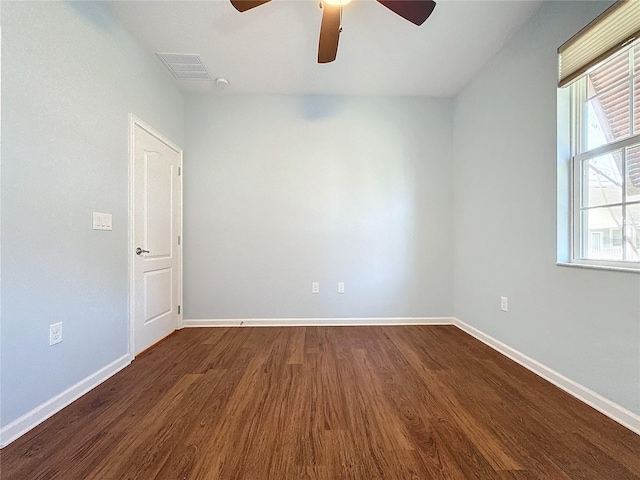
(578, 236)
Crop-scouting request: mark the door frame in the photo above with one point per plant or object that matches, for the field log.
(133, 123)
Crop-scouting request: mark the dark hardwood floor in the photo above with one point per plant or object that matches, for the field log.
(324, 403)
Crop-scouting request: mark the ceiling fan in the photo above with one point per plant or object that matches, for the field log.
(416, 11)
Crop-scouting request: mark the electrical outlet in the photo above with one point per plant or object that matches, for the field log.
(315, 287)
(504, 304)
(55, 333)
(340, 287)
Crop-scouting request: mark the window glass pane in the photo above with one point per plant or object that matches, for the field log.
(608, 74)
(608, 117)
(633, 174)
(602, 180)
(602, 229)
(632, 247)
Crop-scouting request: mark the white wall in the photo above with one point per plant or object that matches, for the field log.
(70, 77)
(282, 191)
(584, 324)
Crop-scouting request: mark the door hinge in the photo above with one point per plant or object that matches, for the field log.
(178, 309)
(179, 171)
(178, 239)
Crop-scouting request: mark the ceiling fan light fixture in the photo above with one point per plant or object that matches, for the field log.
(337, 3)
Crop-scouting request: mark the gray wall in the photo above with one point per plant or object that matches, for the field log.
(282, 191)
(70, 77)
(583, 323)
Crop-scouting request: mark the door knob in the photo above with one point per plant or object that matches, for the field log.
(140, 251)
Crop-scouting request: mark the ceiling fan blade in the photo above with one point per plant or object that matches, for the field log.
(416, 11)
(329, 33)
(244, 5)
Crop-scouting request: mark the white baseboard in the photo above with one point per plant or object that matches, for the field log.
(611, 409)
(31, 419)
(315, 322)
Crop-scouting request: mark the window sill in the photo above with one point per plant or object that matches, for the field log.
(599, 267)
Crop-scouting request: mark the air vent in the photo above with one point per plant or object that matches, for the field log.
(185, 66)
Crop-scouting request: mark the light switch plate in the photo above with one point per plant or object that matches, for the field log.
(102, 221)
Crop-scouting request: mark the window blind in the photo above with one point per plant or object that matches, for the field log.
(611, 31)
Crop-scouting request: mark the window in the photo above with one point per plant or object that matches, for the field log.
(606, 162)
(601, 66)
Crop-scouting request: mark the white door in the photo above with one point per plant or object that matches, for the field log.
(157, 228)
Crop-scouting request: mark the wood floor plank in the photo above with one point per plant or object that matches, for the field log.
(519, 475)
(238, 431)
(566, 414)
(316, 403)
(492, 405)
(550, 428)
(296, 346)
(157, 423)
(492, 448)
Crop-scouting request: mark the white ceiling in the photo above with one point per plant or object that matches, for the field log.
(273, 48)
